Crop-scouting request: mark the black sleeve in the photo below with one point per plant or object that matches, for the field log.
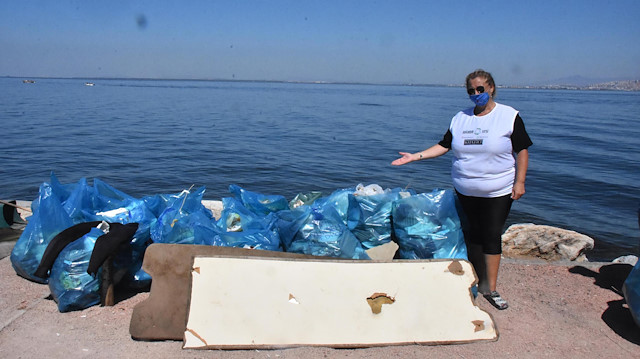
(446, 140)
(108, 244)
(58, 243)
(519, 138)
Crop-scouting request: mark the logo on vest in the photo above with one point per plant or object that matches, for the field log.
(475, 131)
(473, 142)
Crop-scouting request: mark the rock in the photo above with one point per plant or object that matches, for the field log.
(383, 252)
(628, 259)
(545, 242)
(214, 206)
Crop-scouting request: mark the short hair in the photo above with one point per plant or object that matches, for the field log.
(485, 75)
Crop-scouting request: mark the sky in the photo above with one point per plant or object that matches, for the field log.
(418, 42)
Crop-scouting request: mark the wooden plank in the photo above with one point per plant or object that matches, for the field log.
(240, 303)
(163, 315)
(107, 288)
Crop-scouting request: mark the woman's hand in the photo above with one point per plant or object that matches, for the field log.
(431, 152)
(406, 158)
(517, 191)
(522, 163)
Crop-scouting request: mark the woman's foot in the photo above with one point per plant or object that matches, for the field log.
(496, 300)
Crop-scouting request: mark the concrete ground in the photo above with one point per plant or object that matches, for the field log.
(561, 310)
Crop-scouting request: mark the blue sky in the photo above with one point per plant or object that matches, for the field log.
(435, 42)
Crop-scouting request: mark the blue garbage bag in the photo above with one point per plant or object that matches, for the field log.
(106, 203)
(235, 217)
(130, 211)
(63, 191)
(157, 203)
(177, 222)
(70, 284)
(80, 199)
(344, 203)
(260, 204)
(323, 233)
(375, 227)
(631, 291)
(265, 239)
(83, 201)
(137, 278)
(240, 227)
(427, 226)
(48, 219)
(108, 197)
(61, 206)
(290, 222)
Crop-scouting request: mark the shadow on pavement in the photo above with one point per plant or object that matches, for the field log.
(617, 316)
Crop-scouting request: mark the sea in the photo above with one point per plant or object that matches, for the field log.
(148, 137)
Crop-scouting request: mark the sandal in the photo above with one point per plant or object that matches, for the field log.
(496, 300)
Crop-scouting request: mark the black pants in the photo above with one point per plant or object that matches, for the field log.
(485, 219)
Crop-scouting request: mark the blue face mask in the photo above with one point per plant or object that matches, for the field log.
(480, 99)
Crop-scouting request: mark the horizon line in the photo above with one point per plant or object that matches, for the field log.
(311, 82)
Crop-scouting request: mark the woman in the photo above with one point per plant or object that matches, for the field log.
(486, 176)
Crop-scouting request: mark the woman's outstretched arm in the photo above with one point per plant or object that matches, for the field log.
(431, 152)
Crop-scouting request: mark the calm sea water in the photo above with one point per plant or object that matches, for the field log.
(147, 137)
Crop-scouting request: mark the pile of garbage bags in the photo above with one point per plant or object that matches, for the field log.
(343, 224)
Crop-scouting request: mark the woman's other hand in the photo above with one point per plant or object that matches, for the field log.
(517, 191)
(522, 163)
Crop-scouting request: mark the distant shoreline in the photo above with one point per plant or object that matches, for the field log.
(627, 85)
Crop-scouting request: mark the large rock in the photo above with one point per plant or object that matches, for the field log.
(545, 242)
(628, 259)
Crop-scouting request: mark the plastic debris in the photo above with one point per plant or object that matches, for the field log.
(427, 226)
(343, 224)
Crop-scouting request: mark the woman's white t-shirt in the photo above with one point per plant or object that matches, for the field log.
(483, 159)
